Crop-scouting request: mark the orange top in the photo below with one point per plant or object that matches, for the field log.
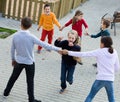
(48, 21)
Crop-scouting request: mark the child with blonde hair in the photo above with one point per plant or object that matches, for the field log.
(108, 64)
(68, 63)
(77, 22)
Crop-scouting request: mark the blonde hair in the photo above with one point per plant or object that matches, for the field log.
(77, 40)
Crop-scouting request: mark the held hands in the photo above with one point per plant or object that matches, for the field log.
(64, 52)
(61, 28)
(87, 34)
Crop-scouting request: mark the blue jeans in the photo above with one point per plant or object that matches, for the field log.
(67, 72)
(97, 85)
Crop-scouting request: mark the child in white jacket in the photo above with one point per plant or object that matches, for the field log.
(108, 64)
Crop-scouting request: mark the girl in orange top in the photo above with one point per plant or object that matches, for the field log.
(47, 21)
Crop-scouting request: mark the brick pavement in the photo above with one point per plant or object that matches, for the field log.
(47, 83)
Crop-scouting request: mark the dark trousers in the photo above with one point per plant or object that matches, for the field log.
(30, 70)
(67, 72)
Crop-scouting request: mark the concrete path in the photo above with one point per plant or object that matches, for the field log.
(47, 73)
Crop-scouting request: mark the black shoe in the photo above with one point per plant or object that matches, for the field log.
(4, 94)
(80, 63)
(37, 100)
(70, 83)
(95, 65)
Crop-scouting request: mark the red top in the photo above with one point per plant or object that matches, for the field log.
(77, 26)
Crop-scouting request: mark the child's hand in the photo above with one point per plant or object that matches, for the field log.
(38, 28)
(65, 52)
(87, 34)
(61, 28)
(13, 63)
(60, 52)
(59, 38)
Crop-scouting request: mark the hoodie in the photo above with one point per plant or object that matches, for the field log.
(107, 63)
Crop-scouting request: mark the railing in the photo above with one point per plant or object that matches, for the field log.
(17, 9)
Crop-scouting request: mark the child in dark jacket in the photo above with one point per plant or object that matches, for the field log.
(68, 63)
(104, 32)
(108, 65)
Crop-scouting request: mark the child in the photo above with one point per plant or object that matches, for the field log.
(104, 32)
(23, 57)
(68, 63)
(47, 21)
(108, 64)
(77, 21)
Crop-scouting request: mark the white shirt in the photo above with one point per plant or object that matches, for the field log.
(107, 63)
(22, 47)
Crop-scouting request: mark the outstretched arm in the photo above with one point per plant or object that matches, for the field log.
(45, 45)
(93, 53)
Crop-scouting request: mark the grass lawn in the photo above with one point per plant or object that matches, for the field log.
(5, 32)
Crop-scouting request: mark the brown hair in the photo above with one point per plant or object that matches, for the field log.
(46, 5)
(76, 42)
(77, 13)
(26, 22)
(107, 41)
(106, 22)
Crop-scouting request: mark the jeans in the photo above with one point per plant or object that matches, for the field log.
(30, 70)
(67, 72)
(97, 85)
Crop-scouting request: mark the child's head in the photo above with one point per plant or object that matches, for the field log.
(26, 23)
(72, 37)
(105, 24)
(78, 16)
(106, 42)
(47, 9)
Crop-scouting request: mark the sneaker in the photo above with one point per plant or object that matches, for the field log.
(95, 65)
(37, 100)
(38, 51)
(80, 63)
(49, 50)
(4, 96)
(62, 91)
(70, 83)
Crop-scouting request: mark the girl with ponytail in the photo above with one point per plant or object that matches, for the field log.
(77, 22)
(108, 64)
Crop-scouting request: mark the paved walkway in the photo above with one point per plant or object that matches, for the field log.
(47, 83)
